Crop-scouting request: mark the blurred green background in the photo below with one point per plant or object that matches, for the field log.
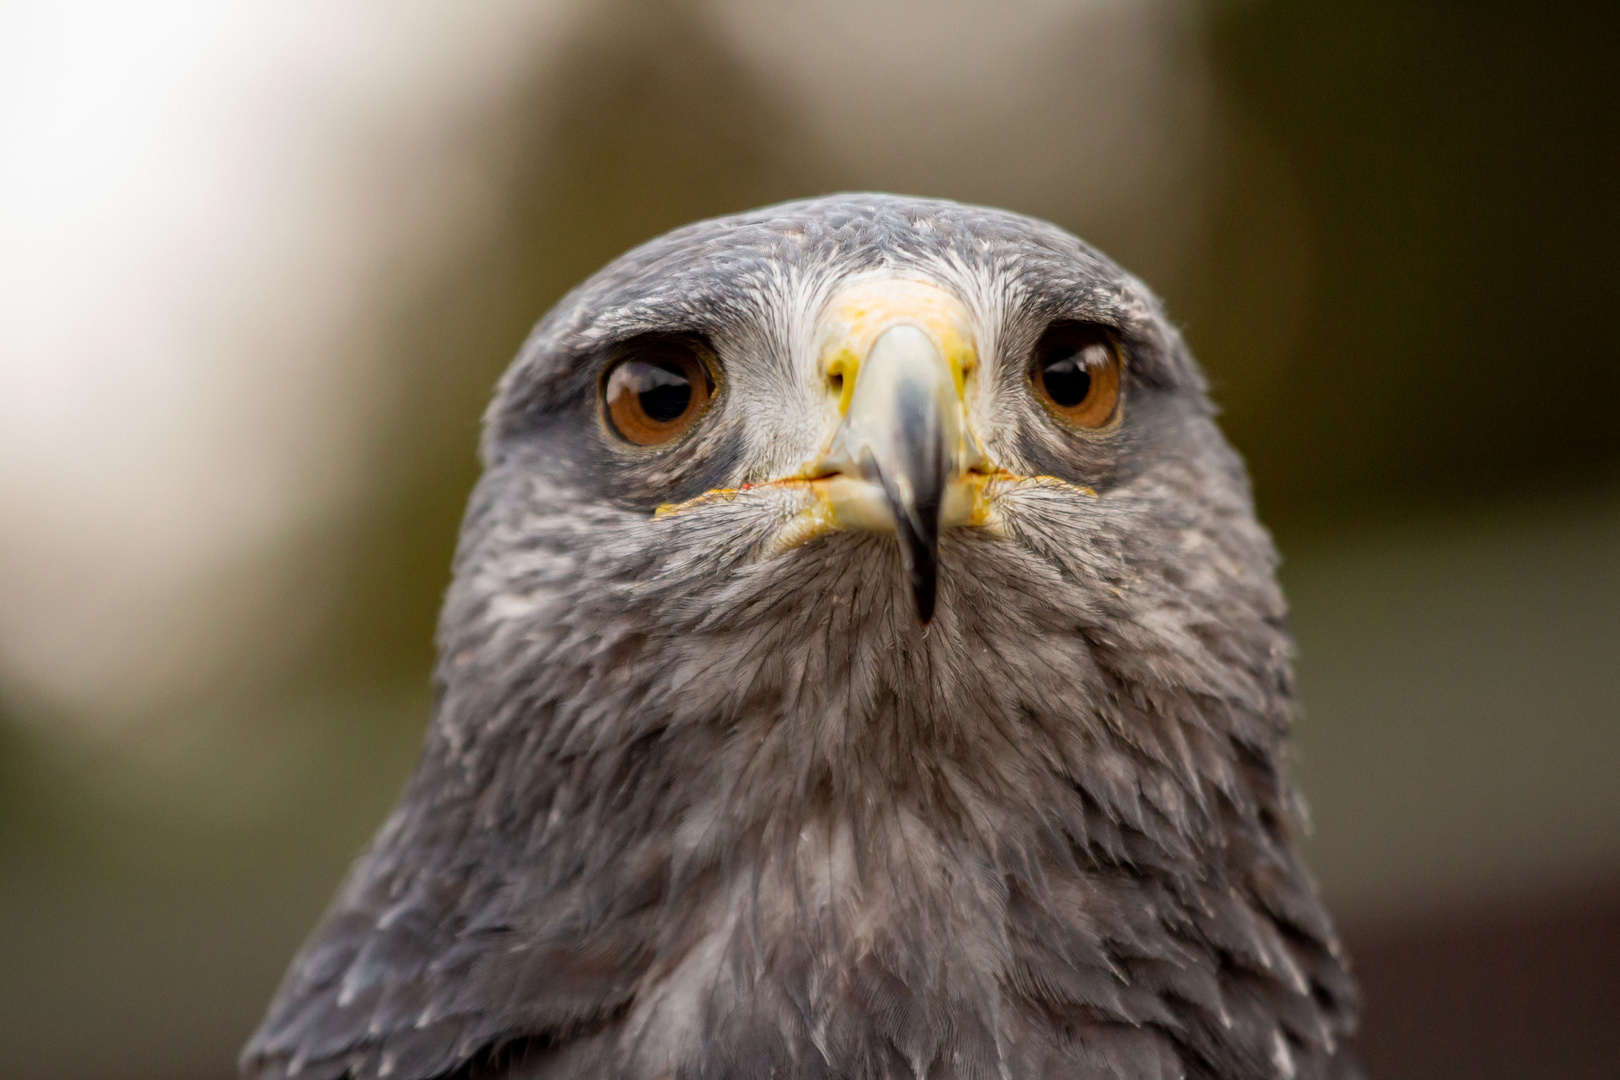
(265, 267)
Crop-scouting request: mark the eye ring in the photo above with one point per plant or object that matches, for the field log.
(656, 388)
(1075, 372)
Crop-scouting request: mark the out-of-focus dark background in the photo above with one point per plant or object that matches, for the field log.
(260, 264)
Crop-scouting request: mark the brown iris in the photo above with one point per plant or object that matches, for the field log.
(656, 389)
(1076, 374)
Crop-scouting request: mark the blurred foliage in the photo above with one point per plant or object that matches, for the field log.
(1458, 166)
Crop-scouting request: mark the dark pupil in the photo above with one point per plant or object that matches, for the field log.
(1068, 376)
(663, 390)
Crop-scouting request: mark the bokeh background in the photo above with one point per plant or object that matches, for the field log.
(261, 262)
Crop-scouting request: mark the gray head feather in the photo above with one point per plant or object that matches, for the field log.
(691, 808)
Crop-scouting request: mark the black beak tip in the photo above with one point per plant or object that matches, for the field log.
(916, 510)
(922, 590)
(921, 558)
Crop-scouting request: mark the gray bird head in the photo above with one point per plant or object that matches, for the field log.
(863, 661)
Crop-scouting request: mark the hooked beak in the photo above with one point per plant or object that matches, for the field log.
(904, 438)
(899, 457)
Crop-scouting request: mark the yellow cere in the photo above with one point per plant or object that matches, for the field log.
(859, 315)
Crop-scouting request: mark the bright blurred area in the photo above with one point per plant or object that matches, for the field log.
(261, 263)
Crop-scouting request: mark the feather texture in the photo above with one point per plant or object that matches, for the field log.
(688, 808)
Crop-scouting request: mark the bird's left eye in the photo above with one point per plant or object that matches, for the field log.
(656, 390)
(1076, 374)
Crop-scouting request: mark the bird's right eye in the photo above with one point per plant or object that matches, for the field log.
(656, 390)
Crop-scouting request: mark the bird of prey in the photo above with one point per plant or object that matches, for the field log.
(863, 661)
